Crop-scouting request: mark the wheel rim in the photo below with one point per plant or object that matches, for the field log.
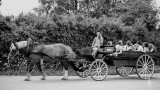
(99, 70)
(124, 71)
(86, 72)
(145, 67)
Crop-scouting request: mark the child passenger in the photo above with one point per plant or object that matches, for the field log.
(152, 47)
(138, 46)
(119, 48)
(129, 46)
(145, 47)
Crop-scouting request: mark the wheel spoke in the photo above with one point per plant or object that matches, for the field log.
(149, 71)
(93, 73)
(94, 66)
(147, 74)
(99, 64)
(140, 65)
(102, 65)
(126, 70)
(121, 70)
(103, 68)
(141, 71)
(102, 73)
(141, 62)
(150, 65)
(145, 59)
(96, 74)
(149, 62)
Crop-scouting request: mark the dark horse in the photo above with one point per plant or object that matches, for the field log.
(38, 53)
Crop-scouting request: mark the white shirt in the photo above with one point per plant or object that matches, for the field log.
(119, 48)
(97, 42)
(145, 50)
(140, 48)
(128, 48)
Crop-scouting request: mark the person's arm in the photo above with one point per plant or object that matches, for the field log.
(152, 48)
(134, 49)
(93, 41)
(101, 43)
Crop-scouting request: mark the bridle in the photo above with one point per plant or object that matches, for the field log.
(17, 52)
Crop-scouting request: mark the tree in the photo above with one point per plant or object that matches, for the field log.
(49, 7)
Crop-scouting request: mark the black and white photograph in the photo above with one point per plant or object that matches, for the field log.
(79, 44)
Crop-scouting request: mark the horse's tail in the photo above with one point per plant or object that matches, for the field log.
(74, 67)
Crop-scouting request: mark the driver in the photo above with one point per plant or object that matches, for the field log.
(97, 42)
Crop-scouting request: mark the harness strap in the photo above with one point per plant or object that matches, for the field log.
(29, 44)
(15, 45)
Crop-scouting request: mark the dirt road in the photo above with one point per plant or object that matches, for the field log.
(112, 82)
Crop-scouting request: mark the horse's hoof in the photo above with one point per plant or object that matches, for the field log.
(27, 79)
(43, 78)
(64, 79)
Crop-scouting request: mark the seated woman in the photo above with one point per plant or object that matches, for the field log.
(138, 46)
(97, 42)
(119, 48)
(129, 46)
(145, 47)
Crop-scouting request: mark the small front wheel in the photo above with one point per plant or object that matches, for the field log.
(85, 66)
(98, 70)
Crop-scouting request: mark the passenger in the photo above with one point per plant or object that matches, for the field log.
(97, 42)
(119, 48)
(145, 47)
(110, 47)
(152, 47)
(129, 46)
(138, 47)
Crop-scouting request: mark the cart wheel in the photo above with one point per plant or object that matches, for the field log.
(83, 65)
(99, 70)
(145, 67)
(124, 71)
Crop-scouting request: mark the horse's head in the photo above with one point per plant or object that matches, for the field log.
(15, 49)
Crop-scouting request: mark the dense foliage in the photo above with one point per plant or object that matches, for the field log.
(75, 23)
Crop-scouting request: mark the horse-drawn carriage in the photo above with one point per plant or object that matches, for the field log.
(144, 63)
(97, 68)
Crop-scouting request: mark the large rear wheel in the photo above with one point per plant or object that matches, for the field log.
(98, 70)
(145, 67)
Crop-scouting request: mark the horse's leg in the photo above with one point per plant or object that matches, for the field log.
(40, 67)
(65, 71)
(29, 68)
